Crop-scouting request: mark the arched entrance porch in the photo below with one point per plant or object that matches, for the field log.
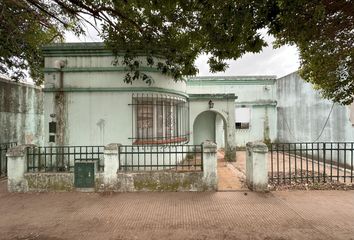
(210, 125)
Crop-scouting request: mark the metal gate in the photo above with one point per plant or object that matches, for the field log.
(84, 176)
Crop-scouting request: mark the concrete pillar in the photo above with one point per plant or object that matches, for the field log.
(230, 145)
(111, 164)
(256, 166)
(210, 164)
(16, 168)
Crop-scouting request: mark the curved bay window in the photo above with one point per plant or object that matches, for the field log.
(160, 119)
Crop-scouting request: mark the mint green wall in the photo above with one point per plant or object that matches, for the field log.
(95, 108)
(204, 127)
(255, 92)
(219, 131)
(246, 88)
(262, 126)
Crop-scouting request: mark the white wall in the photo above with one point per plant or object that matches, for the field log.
(21, 113)
(302, 114)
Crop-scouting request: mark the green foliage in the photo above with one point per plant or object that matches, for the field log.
(181, 30)
(24, 29)
(323, 31)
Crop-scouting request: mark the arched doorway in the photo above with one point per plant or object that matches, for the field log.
(210, 125)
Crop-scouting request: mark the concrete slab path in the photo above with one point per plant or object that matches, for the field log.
(188, 215)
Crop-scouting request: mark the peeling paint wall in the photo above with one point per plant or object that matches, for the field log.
(302, 114)
(21, 113)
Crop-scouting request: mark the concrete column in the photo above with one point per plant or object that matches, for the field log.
(230, 145)
(256, 166)
(210, 164)
(111, 164)
(16, 168)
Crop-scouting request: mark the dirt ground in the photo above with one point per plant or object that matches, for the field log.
(184, 215)
(231, 176)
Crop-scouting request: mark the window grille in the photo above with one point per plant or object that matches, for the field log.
(159, 119)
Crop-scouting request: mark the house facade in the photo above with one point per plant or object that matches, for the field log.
(87, 99)
(93, 130)
(87, 102)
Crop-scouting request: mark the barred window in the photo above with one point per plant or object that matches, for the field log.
(159, 119)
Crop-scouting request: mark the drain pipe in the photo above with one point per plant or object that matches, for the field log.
(60, 104)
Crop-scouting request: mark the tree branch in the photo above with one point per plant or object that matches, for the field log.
(42, 9)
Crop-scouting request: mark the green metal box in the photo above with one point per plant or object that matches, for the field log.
(84, 174)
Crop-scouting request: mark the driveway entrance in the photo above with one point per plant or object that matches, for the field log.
(231, 175)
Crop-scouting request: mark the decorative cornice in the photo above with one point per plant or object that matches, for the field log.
(119, 89)
(99, 69)
(232, 80)
(212, 96)
(88, 49)
(257, 103)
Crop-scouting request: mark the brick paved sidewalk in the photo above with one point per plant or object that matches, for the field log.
(209, 215)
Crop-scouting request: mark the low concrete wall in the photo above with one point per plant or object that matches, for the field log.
(125, 182)
(53, 182)
(48, 182)
(158, 182)
(111, 179)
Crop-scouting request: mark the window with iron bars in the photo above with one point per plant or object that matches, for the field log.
(159, 119)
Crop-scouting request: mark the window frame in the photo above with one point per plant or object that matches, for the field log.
(167, 110)
(243, 125)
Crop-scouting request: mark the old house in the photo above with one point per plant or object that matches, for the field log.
(91, 128)
(87, 99)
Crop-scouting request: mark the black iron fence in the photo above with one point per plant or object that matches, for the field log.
(311, 162)
(62, 158)
(4, 147)
(158, 157)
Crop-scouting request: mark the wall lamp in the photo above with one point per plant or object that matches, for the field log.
(211, 104)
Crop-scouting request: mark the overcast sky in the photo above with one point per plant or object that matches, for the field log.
(279, 62)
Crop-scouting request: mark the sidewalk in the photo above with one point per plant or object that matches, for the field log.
(209, 215)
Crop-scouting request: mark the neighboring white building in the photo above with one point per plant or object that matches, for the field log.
(304, 116)
(21, 112)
